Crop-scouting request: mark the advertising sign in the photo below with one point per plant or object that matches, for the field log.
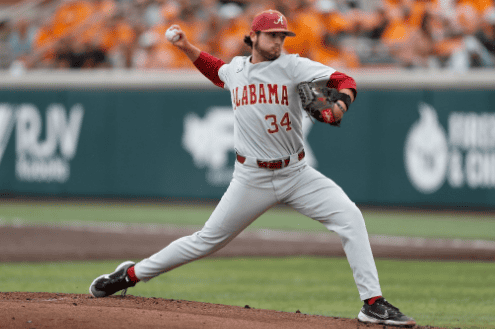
(394, 147)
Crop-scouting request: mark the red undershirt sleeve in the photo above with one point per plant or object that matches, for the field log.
(209, 65)
(339, 80)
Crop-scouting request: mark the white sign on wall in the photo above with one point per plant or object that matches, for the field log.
(42, 155)
(462, 154)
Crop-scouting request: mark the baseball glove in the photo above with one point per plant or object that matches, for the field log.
(319, 102)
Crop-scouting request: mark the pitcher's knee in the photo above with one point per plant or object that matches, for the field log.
(352, 209)
(346, 215)
(354, 215)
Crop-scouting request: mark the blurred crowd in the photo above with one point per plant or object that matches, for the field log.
(84, 34)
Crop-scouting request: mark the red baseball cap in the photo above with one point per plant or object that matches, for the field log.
(271, 21)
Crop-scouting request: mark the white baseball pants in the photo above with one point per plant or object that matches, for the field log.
(253, 191)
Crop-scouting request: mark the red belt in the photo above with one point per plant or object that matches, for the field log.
(272, 165)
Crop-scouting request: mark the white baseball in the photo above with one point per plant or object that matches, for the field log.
(172, 35)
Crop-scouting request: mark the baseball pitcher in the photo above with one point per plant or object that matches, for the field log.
(268, 91)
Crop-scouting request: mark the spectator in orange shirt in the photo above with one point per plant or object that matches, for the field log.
(213, 43)
(102, 12)
(397, 34)
(327, 49)
(417, 9)
(69, 15)
(44, 43)
(195, 29)
(467, 18)
(153, 54)
(170, 10)
(481, 6)
(447, 37)
(116, 31)
(422, 43)
(486, 33)
(398, 30)
(233, 28)
(330, 17)
(305, 38)
(160, 51)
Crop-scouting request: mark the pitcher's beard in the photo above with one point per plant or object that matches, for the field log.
(271, 56)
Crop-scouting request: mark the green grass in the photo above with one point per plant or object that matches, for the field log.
(445, 294)
(413, 224)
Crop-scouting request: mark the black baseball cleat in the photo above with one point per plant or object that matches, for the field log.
(384, 313)
(108, 284)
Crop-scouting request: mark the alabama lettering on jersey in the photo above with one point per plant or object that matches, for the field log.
(267, 108)
(259, 93)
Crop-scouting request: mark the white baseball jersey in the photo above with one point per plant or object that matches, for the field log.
(267, 107)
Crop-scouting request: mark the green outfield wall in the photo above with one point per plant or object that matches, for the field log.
(408, 143)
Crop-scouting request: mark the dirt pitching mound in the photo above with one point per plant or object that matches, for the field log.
(50, 310)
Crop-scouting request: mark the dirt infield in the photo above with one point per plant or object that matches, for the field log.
(118, 241)
(31, 243)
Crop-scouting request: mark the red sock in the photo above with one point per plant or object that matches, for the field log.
(132, 275)
(371, 301)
